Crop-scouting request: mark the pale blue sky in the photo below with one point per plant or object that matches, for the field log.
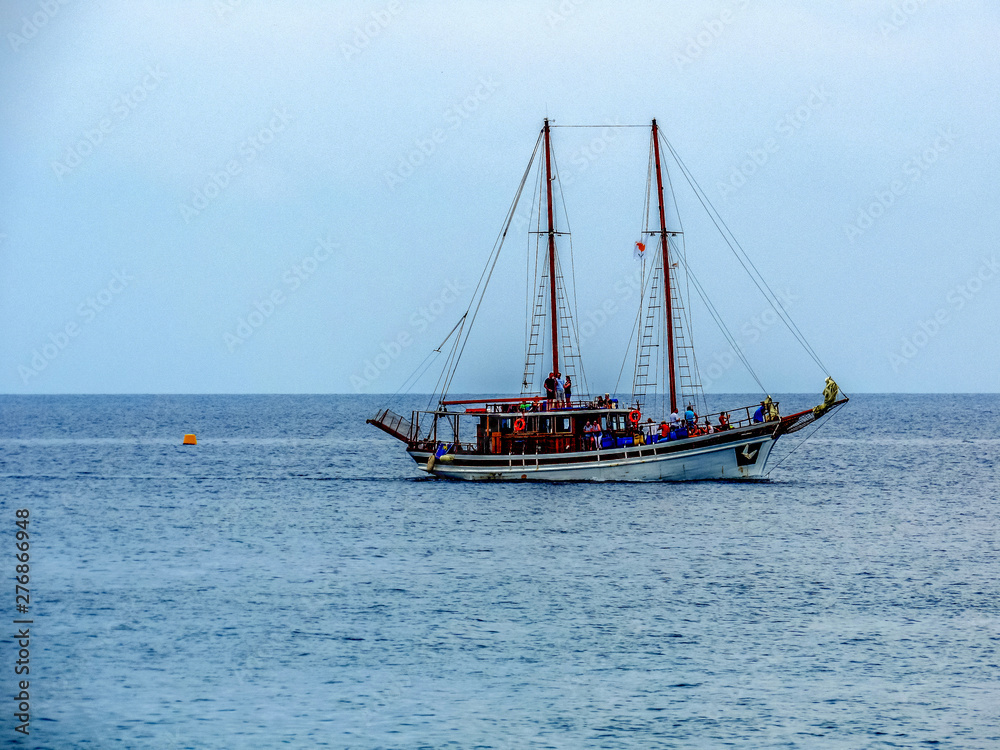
(172, 167)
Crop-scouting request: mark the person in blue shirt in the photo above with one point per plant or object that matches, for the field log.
(758, 416)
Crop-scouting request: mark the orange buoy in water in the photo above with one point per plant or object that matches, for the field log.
(190, 439)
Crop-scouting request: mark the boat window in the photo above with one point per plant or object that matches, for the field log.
(562, 424)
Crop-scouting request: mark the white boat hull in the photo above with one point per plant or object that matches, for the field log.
(730, 460)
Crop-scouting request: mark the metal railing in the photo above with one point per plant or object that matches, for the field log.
(395, 423)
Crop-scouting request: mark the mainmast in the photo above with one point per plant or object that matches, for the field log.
(669, 310)
(552, 252)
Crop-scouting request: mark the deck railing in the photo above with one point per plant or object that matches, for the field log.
(741, 416)
(394, 424)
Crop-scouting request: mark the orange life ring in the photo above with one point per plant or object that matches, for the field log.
(519, 424)
(634, 416)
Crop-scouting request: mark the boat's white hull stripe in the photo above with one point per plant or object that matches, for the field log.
(728, 461)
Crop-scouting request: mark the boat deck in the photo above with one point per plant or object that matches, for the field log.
(533, 426)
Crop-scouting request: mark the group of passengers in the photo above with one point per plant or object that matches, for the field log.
(678, 426)
(558, 392)
(592, 434)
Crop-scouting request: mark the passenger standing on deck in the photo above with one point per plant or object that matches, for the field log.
(675, 420)
(568, 388)
(550, 388)
(690, 416)
(560, 391)
(770, 410)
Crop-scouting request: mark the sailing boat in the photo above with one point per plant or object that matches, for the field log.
(545, 434)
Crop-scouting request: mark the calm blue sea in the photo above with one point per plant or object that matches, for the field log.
(294, 581)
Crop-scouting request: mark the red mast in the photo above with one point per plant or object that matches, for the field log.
(552, 253)
(666, 270)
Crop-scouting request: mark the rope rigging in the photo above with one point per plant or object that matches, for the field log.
(741, 255)
(758, 278)
(480, 291)
(569, 329)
